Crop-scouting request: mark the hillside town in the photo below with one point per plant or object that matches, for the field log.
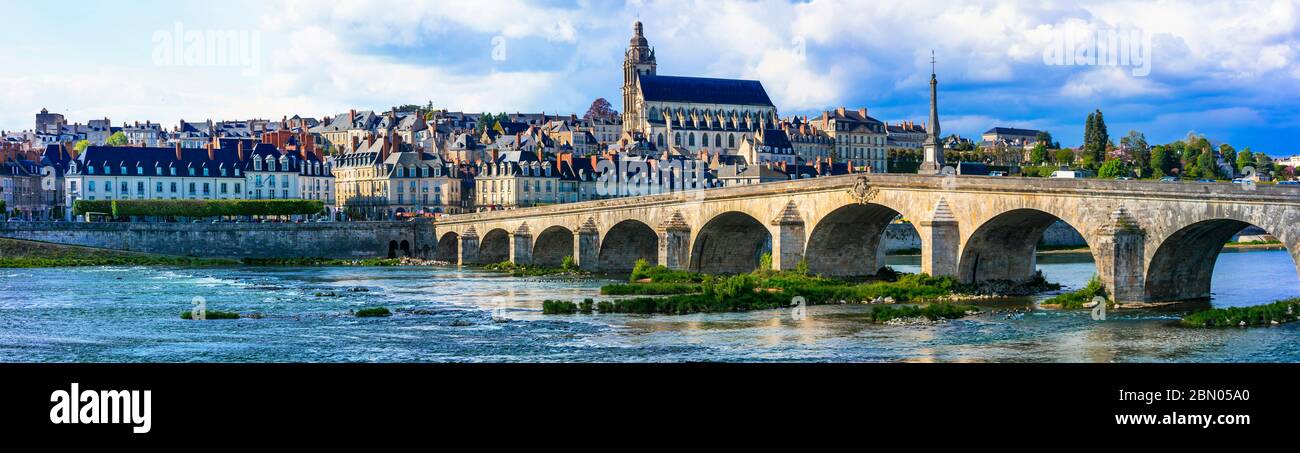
(422, 161)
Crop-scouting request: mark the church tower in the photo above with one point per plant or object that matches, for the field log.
(639, 59)
(933, 162)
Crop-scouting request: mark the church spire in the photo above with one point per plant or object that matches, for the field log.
(638, 60)
(933, 162)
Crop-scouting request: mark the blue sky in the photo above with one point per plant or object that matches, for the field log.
(1224, 69)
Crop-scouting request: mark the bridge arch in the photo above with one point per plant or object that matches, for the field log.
(494, 247)
(730, 243)
(552, 245)
(847, 241)
(625, 243)
(448, 249)
(1004, 247)
(1182, 266)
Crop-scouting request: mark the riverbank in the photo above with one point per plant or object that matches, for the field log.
(29, 254)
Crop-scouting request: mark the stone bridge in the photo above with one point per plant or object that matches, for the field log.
(1151, 241)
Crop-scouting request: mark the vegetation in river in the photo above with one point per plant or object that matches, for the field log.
(211, 314)
(373, 312)
(885, 313)
(27, 254)
(1079, 298)
(649, 289)
(1257, 315)
(311, 261)
(529, 270)
(643, 271)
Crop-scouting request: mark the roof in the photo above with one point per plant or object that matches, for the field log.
(702, 90)
(1012, 131)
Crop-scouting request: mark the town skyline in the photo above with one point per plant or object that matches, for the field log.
(563, 56)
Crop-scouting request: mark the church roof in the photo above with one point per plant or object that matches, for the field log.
(703, 90)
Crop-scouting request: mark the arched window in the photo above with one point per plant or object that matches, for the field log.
(690, 139)
(660, 140)
(717, 140)
(731, 140)
(677, 139)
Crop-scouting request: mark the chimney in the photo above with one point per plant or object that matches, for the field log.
(352, 117)
(239, 149)
(862, 112)
(178, 151)
(356, 142)
(212, 153)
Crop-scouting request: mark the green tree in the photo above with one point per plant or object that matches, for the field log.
(1163, 162)
(80, 146)
(1263, 164)
(1112, 168)
(1206, 164)
(1095, 138)
(117, 139)
(1064, 156)
(1038, 155)
(1245, 159)
(1229, 155)
(1045, 138)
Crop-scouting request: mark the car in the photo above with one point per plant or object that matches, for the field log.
(1288, 183)
(1238, 181)
(1122, 178)
(1205, 180)
(1169, 179)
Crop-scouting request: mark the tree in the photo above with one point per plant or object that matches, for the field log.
(1245, 159)
(1163, 162)
(1038, 155)
(1065, 156)
(1112, 168)
(1139, 152)
(1263, 164)
(1229, 155)
(1206, 164)
(117, 139)
(600, 109)
(1045, 138)
(80, 146)
(1095, 139)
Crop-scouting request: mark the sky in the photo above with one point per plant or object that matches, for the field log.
(1227, 70)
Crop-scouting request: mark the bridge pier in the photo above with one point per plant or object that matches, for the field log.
(940, 241)
(467, 253)
(521, 246)
(787, 239)
(675, 243)
(1119, 253)
(586, 249)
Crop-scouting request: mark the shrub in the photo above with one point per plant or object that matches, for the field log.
(647, 289)
(373, 312)
(1258, 315)
(765, 262)
(567, 263)
(213, 208)
(559, 307)
(933, 312)
(1076, 299)
(81, 207)
(661, 274)
(211, 314)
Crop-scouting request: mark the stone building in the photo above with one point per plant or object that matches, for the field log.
(689, 114)
(859, 139)
(385, 178)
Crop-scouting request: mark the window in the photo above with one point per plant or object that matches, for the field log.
(284, 182)
(90, 187)
(223, 188)
(257, 164)
(690, 139)
(158, 187)
(192, 188)
(173, 187)
(206, 189)
(139, 187)
(125, 189)
(237, 188)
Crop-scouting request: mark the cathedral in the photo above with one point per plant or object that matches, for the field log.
(689, 115)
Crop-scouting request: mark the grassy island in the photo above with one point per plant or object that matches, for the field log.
(1279, 312)
(1078, 299)
(529, 270)
(691, 292)
(374, 312)
(211, 314)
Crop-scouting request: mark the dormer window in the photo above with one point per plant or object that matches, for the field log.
(173, 171)
(205, 172)
(191, 171)
(139, 170)
(257, 164)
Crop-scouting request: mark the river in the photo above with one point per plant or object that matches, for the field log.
(131, 314)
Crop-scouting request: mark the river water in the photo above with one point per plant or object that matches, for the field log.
(131, 314)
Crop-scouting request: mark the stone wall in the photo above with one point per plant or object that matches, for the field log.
(237, 240)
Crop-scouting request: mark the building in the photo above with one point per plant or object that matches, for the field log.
(905, 136)
(214, 172)
(768, 146)
(385, 178)
(689, 114)
(21, 190)
(859, 139)
(1010, 136)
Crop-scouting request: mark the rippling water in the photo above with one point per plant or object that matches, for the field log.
(131, 314)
